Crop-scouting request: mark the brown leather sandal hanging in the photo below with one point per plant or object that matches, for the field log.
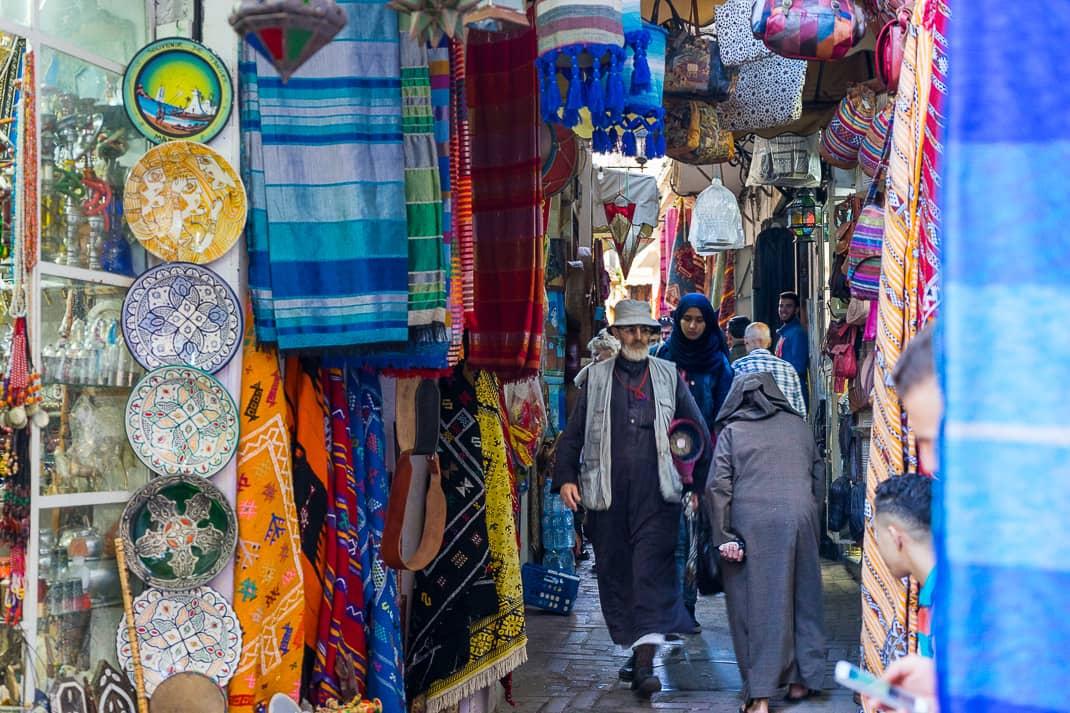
(425, 403)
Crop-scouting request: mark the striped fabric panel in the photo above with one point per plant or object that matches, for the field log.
(423, 196)
(889, 610)
(323, 159)
(1003, 543)
(461, 180)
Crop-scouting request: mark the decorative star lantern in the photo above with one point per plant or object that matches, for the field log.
(430, 19)
(288, 32)
(802, 215)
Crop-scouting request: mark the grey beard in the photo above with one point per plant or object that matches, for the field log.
(634, 353)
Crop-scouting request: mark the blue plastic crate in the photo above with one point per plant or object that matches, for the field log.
(549, 589)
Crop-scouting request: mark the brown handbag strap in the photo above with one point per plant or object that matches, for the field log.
(434, 516)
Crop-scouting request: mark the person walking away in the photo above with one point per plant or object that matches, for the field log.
(764, 501)
(630, 487)
(698, 349)
(760, 359)
(793, 343)
(737, 329)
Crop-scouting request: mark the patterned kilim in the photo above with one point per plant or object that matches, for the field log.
(506, 336)
(937, 14)
(423, 196)
(461, 185)
(324, 169)
(457, 589)
(728, 292)
(888, 608)
(498, 644)
(381, 605)
(341, 620)
(1001, 624)
(309, 417)
(269, 597)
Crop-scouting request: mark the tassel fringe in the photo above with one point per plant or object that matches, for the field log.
(639, 41)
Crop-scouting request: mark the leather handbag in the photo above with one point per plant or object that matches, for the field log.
(425, 402)
(693, 133)
(821, 30)
(890, 44)
(693, 66)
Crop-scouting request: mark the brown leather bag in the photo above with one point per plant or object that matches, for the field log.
(423, 442)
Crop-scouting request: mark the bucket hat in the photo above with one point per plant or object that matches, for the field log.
(634, 313)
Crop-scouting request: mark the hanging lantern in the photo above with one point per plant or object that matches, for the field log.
(430, 19)
(802, 214)
(287, 32)
(497, 16)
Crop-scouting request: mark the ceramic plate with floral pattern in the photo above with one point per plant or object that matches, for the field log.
(181, 313)
(182, 421)
(178, 531)
(195, 630)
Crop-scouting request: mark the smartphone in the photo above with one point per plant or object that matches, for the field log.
(867, 684)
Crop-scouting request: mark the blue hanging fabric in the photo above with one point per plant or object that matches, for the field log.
(575, 39)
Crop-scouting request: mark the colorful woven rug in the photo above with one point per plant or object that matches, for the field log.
(461, 184)
(309, 418)
(322, 162)
(506, 335)
(381, 606)
(889, 609)
(1001, 629)
(458, 588)
(498, 643)
(269, 596)
(929, 233)
(687, 269)
(341, 645)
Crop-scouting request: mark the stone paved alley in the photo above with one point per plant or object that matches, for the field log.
(573, 665)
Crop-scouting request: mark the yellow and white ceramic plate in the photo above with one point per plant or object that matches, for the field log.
(183, 201)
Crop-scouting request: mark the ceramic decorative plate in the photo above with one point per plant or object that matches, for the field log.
(176, 88)
(180, 532)
(181, 421)
(183, 201)
(181, 313)
(195, 630)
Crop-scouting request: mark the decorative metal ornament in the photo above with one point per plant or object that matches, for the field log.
(182, 421)
(181, 313)
(195, 630)
(430, 19)
(112, 691)
(184, 201)
(68, 696)
(188, 692)
(179, 532)
(288, 32)
(177, 88)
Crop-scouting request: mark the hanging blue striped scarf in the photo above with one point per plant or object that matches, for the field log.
(324, 169)
(382, 614)
(1003, 543)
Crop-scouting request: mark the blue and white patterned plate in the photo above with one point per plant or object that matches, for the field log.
(181, 313)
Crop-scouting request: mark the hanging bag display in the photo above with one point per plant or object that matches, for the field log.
(872, 147)
(693, 66)
(822, 30)
(768, 93)
(891, 42)
(864, 255)
(841, 139)
(734, 35)
(693, 133)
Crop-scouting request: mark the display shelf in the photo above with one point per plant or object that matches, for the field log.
(70, 500)
(82, 274)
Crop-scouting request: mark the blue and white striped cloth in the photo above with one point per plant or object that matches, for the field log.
(1002, 531)
(323, 165)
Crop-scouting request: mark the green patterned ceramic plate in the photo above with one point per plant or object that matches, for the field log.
(178, 532)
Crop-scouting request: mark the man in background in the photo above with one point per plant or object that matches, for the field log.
(737, 329)
(793, 343)
(759, 358)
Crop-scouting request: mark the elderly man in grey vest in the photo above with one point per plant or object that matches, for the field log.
(632, 491)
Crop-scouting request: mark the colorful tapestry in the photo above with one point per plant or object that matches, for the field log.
(1000, 624)
(341, 645)
(381, 605)
(506, 335)
(936, 17)
(323, 165)
(308, 421)
(458, 588)
(461, 182)
(497, 643)
(269, 596)
(889, 610)
(687, 269)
